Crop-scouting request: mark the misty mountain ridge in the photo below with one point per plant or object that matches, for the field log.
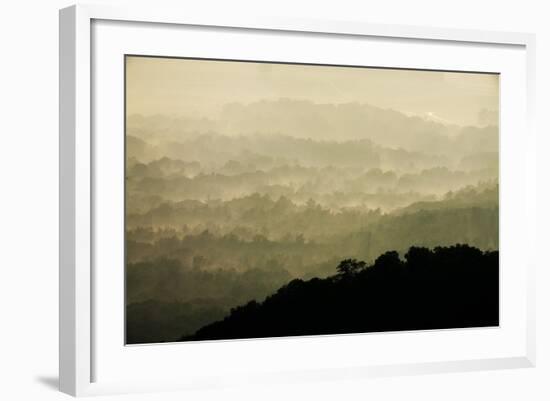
(221, 211)
(333, 122)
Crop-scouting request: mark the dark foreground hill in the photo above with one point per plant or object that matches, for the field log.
(447, 287)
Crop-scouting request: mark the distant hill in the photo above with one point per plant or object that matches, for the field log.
(305, 119)
(447, 287)
(484, 195)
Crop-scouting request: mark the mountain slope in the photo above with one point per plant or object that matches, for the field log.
(448, 287)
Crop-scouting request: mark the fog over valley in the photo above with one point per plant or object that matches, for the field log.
(279, 181)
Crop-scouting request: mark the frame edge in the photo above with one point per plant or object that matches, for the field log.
(531, 182)
(67, 112)
(74, 201)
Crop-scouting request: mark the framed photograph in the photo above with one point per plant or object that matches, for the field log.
(272, 200)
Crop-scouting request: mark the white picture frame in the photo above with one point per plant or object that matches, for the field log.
(79, 349)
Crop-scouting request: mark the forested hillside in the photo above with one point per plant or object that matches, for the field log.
(447, 287)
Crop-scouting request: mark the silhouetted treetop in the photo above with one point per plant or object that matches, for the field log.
(350, 266)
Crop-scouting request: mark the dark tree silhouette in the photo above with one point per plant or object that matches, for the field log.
(350, 266)
(447, 287)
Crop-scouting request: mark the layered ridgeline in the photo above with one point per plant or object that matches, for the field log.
(221, 212)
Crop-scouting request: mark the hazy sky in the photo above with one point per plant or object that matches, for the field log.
(200, 88)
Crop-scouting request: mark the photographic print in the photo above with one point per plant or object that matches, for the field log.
(267, 199)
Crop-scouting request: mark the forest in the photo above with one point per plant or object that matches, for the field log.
(228, 220)
(447, 287)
